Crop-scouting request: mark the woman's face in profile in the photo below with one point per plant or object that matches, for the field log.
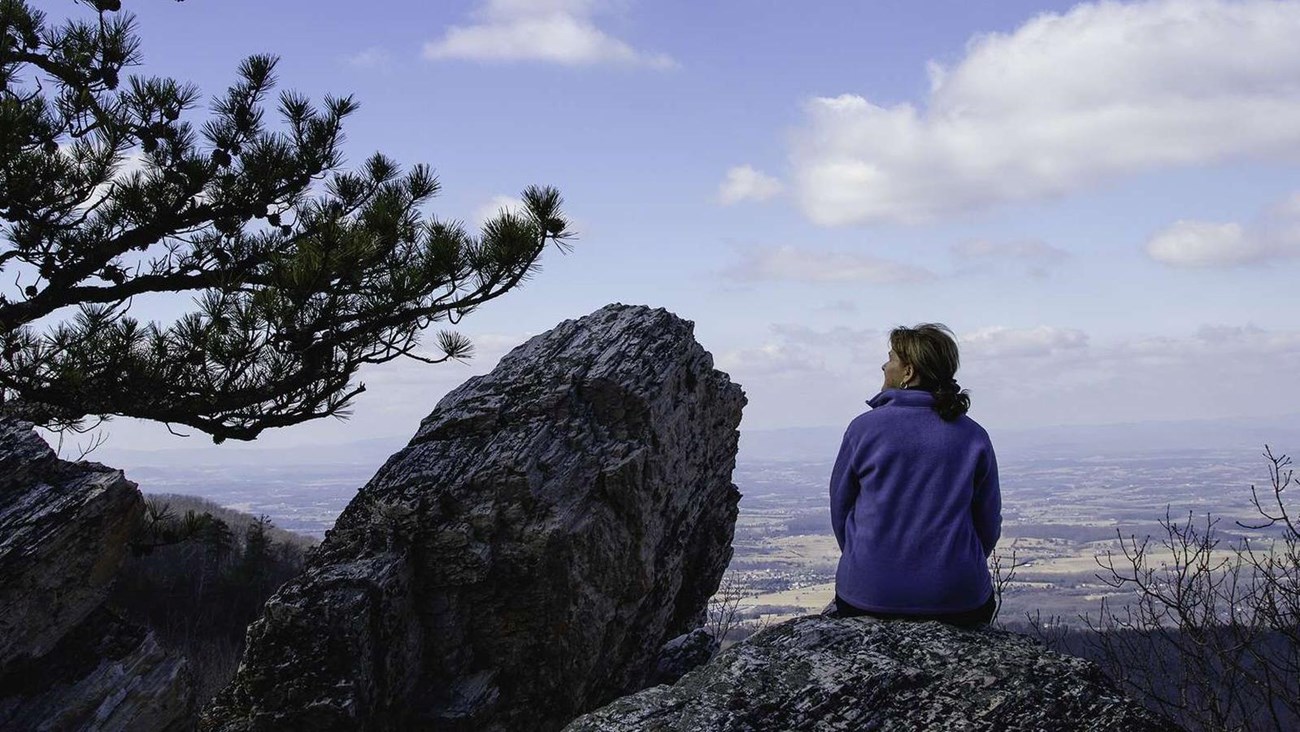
(896, 374)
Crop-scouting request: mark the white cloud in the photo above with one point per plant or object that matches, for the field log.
(1202, 244)
(405, 372)
(1036, 257)
(371, 58)
(512, 204)
(130, 164)
(1064, 102)
(1250, 340)
(798, 265)
(1030, 250)
(840, 306)
(1003, 342)
(399, 394)
(982, 343)
(798, 375)
(770, 359)
(744, 183)
(495, 206)
(1273, 234)
(554, 31)
(804, 337)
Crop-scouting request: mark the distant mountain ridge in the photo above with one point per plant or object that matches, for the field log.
(795, 443)
(1282, 433)
(792, 444)
(370, 451)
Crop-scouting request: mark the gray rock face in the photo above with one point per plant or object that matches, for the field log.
(550, 526)
(65, 662)
(825, 674)
(64, 530)
(683, 654)
(104, 675)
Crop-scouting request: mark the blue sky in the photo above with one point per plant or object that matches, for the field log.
(1099, 198)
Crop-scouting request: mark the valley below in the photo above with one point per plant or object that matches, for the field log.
(1062, 514)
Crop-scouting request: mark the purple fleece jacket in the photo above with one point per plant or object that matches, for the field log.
(916, 508)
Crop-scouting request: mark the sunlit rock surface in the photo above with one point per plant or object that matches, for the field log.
(548, 529)
(64, 529)
(65, 662)
(819, 673)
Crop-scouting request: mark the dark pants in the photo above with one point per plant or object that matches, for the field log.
(979, 616)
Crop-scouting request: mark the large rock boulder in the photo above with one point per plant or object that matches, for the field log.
(66, 663)
(64, 529)
(826, 674)
(550, 526)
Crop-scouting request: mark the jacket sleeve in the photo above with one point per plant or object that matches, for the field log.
(986, 509)
(844, 489)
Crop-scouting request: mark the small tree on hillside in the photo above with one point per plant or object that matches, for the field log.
(255, 561)
(300, 273)
(1212, 636)
(723, 614)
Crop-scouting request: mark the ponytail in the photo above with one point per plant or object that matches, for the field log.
(951, 401)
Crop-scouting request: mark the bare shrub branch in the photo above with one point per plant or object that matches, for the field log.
(1212, 636)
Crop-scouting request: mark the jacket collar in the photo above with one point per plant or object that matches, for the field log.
(902, 398)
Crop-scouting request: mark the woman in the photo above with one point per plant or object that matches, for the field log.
(914, 494)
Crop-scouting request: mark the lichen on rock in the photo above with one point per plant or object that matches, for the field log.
(828, 674)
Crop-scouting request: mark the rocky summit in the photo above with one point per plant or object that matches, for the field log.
(548, 529)
(828, 674)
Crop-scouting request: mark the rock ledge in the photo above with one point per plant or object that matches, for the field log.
(825, 674)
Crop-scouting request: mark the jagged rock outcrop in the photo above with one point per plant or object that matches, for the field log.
(107, 674)
(550, 526)
(65, 662)
(64, 529)
(826, 674)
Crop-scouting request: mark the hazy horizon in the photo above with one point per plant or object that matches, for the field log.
(797, 443)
